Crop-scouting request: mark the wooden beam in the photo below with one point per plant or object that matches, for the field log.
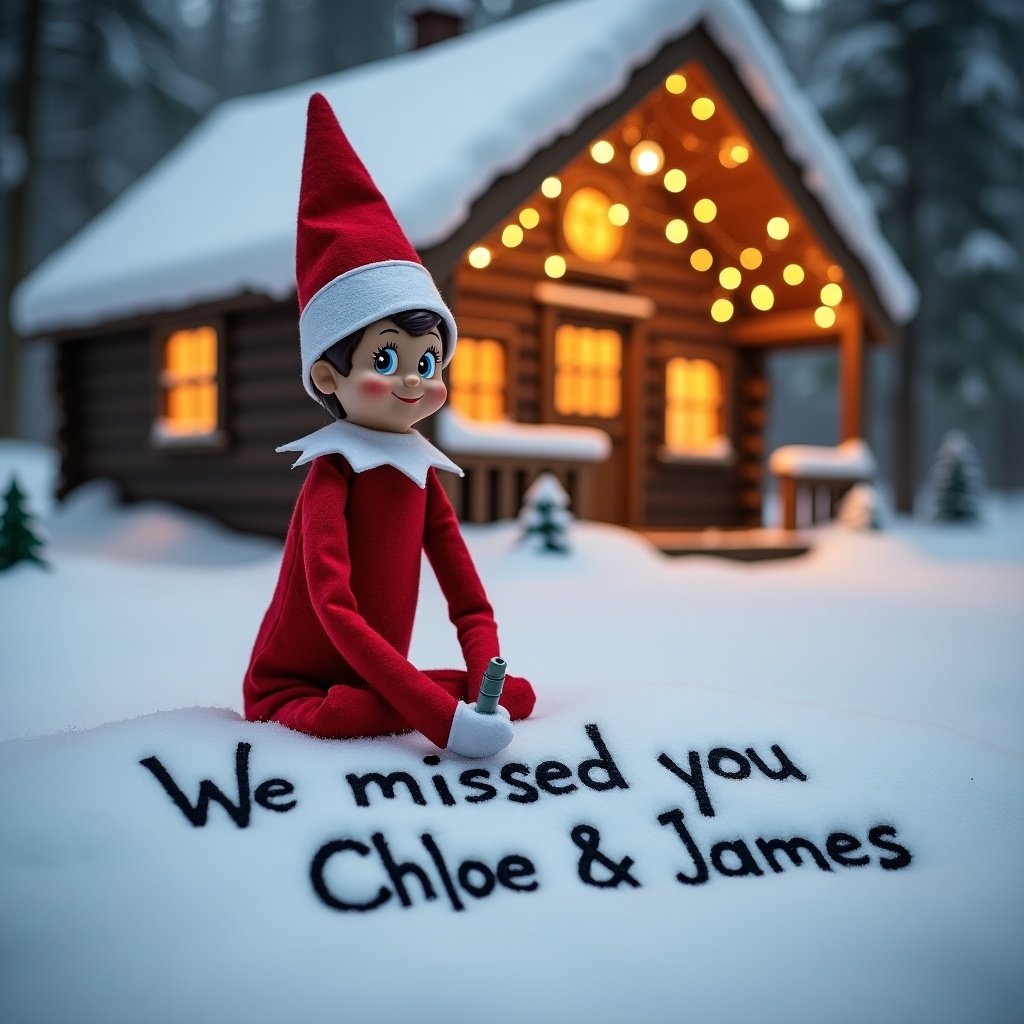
(851, 376)
(789, 327)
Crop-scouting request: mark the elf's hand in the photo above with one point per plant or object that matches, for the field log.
(476, 735)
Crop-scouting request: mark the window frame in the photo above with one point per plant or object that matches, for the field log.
(214, 439)
(480, 328)
(613, 188)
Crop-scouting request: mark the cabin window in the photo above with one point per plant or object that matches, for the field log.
(693, 406)
(477, 377)
(588, 371)
(189, 399)
(592, 225)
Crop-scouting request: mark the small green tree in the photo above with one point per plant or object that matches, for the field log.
(19, 541)
(545, 515)
(956, 481)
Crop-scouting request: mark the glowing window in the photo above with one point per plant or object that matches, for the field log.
(477, 377)
(587, 227)
(588, 371)
(693, 404)
(188, 383)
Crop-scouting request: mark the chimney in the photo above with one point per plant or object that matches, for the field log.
(436, 20)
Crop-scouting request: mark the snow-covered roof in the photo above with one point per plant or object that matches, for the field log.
(462, 436)
(435, 127)
(851, 458)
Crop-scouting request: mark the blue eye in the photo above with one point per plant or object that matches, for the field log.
(427, 364)
(385, 360)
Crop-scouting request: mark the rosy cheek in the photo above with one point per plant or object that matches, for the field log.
(374, 387)
(438, 392)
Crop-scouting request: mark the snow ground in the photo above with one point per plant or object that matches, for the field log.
(888, 667)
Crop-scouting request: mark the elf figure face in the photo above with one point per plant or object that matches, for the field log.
(395, 380)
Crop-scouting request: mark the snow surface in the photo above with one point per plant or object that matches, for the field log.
(462, 436)
(824, 462)
(887, 667)
(217, 216)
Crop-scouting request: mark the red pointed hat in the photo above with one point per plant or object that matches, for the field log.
(353, 263)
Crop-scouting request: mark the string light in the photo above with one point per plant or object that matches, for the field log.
(751, 258)
(721, 310)
(602, 151)
(831, 294)
(778, 228)
(701, 259)
(793, 273)
(479, 257)
(675, 180)
(762, 297)
(729, 277)
(740, 153)
(825, 317)
(512, 236)
(834, 272)
(551, 188)
(647, 157)
(705, 210)
(529, 217)
(676, 231)
(554, 266)
(732, 153)
(703, 108)
(618, 214)
(676, 84)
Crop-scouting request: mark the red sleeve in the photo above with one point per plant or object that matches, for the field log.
(418, 699)
(468, 607)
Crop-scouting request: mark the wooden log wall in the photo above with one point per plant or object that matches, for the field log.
(107, 386)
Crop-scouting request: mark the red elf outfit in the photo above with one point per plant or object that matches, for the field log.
(331, 656)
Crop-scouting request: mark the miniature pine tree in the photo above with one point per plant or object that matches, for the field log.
(545, 515)
(861, 508)
(956, 481)
(18, 540)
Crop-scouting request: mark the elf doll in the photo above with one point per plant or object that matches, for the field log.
(331, 657)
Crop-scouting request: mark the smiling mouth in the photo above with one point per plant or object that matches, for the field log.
(408, 401)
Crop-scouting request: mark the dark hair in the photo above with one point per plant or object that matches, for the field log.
(416, 322)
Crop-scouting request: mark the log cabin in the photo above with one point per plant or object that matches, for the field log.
(628, 207)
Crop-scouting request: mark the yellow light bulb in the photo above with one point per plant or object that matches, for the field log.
(551, 188)
(479, 257)
(529, 217)
(729, 277)
(824, 317)
(751, 258)
(647, 158)
(793, 273)
(676, 84)
(618, 214)
(701, 259)
(703, 108)
(762, 297)
(721, 310)
(675, 180)
(676, 231)
(602, 151)
(740, 153)
(705, 210)
(554, 266)
(831, 294)
(512, 236)
(778, 228)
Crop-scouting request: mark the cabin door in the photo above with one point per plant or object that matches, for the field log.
(588, 371)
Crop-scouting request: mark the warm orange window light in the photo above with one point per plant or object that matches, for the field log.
(588, 371)
(477, 377)
(693, 403)
(587, 227)
(188, 379)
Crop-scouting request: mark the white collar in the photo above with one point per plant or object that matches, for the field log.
(363, 448)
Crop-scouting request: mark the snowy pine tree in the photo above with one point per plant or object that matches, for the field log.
(861, 508)
(18, 540)
(927, 97)
(956, 481)
(545, 515)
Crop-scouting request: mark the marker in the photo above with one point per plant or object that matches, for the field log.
(490, 686)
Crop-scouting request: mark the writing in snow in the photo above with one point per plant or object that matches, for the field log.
(601, 860)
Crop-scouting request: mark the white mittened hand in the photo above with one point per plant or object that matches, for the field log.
(475, 735)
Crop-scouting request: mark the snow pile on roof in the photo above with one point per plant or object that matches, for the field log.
(852, 458)
(217, 216)
(462, 436)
